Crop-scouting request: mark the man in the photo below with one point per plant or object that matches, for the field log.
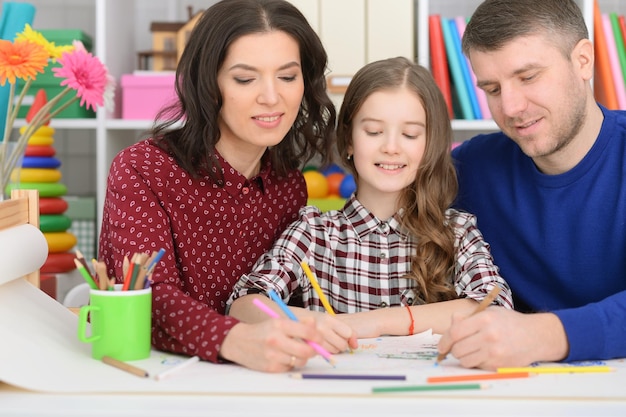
(549, 191)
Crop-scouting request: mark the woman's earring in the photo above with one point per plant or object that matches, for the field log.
(349, 157)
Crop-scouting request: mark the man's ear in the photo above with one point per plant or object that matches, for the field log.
(583, 58)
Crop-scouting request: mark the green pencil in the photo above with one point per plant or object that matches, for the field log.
(434, 387)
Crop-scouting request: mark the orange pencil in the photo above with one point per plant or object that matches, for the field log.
(476, 377)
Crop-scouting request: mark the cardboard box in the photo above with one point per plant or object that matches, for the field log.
(144, 95)
(51, 84)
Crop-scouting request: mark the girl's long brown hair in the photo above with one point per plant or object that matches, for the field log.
(426, 200)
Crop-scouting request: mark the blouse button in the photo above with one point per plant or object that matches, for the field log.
(383, 255)
(382, 305)
(245, 190)
(241, 233)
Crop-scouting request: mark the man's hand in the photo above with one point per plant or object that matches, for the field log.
(498, 337)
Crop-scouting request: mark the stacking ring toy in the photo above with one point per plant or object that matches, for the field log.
(54, 223)
(60, 241)
(39, 175)
(52, 205)
(46, 189)
(35, 150)
(40, 162)
(58, 263)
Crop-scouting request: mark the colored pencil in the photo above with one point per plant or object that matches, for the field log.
(129, 273)
(557, 369)
(125, 367)
(349, 376)
(177, 368)
(86, 275)
(476, 377)
(317, 288)
(486, 302)
(435, 387)
(155, 260)
(319, 349)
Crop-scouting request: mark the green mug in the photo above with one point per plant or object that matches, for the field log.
(120, 323)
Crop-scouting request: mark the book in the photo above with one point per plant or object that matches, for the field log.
(439, 61)
(458, 81)
(471, 91)
(604, 87)
(622, 25)
(480, 94)
(619, 44)
(618, 80)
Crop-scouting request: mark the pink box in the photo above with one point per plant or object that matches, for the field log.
(144, 95)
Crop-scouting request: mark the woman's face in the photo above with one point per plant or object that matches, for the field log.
(262, 86)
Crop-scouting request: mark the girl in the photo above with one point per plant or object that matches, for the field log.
(219, 179)
(396, 242)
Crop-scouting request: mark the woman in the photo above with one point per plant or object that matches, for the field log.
(219, 179)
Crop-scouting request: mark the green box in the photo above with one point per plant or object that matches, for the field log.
(51, 84)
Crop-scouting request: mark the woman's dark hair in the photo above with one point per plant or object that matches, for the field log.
(188, 129)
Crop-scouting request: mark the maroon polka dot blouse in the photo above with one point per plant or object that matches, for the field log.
(212, 235)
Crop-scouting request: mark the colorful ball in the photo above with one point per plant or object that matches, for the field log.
(348, 186)
(334, 182)
(331, 169)
(316, 184)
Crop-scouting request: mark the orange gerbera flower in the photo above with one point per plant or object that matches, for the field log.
(21, 59)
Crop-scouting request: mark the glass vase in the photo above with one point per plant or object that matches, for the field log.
(11, 158)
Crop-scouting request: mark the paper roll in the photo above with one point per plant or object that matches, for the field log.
(23, 249)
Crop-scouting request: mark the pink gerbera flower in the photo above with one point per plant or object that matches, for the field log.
(84, 73)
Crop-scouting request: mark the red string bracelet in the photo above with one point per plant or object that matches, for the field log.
(412, 326)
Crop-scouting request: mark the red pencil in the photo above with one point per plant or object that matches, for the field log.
(129, 274)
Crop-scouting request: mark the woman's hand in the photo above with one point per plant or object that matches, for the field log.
(276, 345)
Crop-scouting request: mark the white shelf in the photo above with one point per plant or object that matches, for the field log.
(123, 124)
(474, 125)
(57, 123)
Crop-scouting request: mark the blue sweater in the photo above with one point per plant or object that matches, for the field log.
(559, 240)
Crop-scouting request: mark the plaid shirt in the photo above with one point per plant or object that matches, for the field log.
(360, 261)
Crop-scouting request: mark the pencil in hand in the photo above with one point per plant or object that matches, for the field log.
(316, 286)
(318, 348)
(486, 302)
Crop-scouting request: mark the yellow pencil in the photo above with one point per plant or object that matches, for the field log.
(557, 369)
(317, 288)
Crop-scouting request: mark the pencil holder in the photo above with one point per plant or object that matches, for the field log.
(120, 323)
